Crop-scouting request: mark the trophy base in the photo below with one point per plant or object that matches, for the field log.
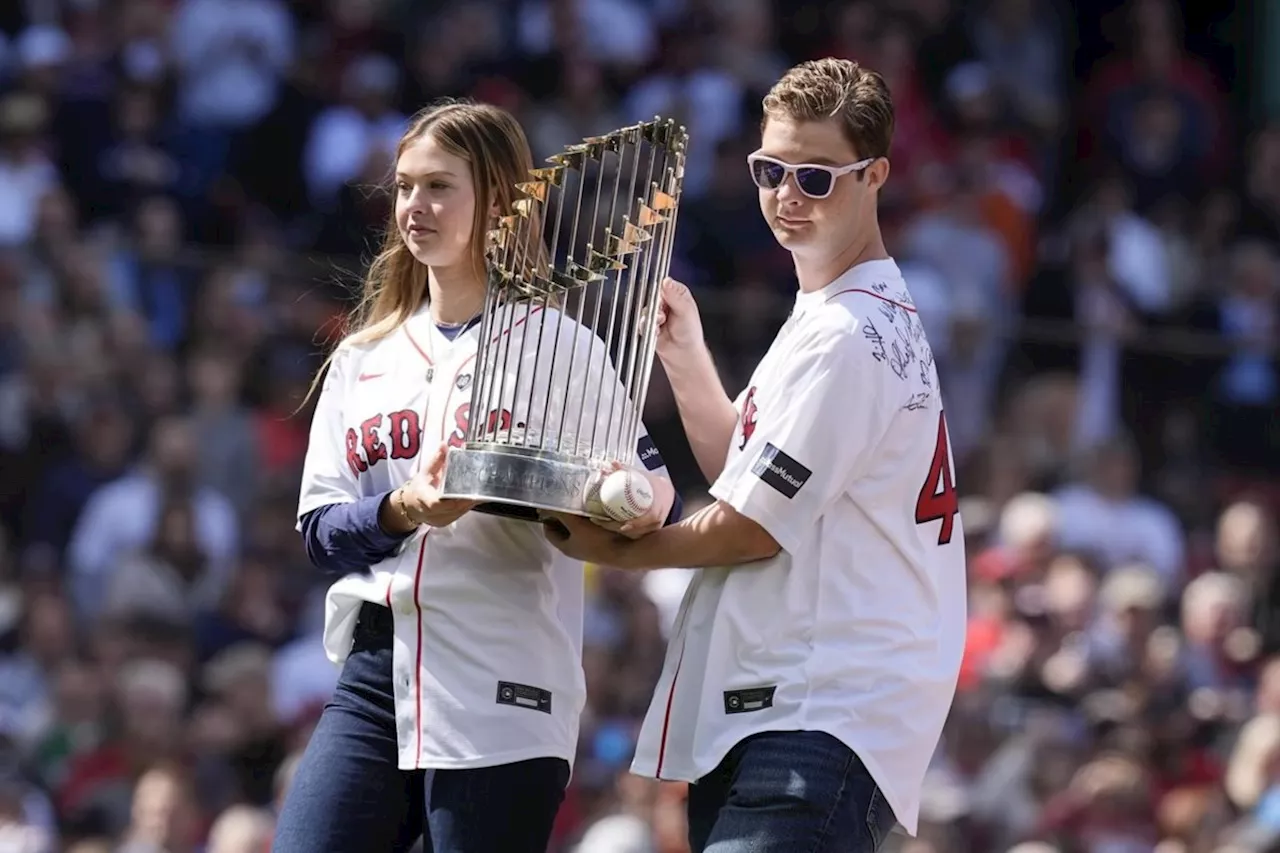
(521, 483)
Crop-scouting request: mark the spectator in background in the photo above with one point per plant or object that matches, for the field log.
(46, 638)
(1105, 514)
(126, 515)
(149, 697)
(25, 170)
(148, 275)
(1245, 386)
(163, 815)
(365, 126)
(240, 829)
(979, 293)
(230, 56)
(1020, 43)
(225, 433)
(1261, 202)
(104, 437)
(1157, 64)
(134, 161)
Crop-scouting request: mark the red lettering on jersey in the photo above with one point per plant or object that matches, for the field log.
(404, 434)
(374, 450)
(937, 500)
(458, 437)
(354, 460)
(497, 420)
(748, 417)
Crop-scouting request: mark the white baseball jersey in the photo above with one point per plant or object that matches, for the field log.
(488, 616)
(856, 627)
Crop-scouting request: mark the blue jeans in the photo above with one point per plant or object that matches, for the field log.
(348, 796)
(788, 792)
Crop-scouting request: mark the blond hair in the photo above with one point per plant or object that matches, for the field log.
(491, 140)
(841, 89)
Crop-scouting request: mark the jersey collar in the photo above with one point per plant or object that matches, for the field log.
(858, 276)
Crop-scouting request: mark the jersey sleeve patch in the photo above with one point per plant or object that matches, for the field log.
(780, 471)
(648, 453)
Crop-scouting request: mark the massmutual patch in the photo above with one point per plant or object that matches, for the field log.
(780, 471)
(648, 453)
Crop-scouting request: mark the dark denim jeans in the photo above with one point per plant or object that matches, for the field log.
(788, 792)
(348, 796)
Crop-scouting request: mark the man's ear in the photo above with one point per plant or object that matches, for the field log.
(878, 173)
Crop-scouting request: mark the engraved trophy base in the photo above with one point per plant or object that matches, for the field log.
(521, 483)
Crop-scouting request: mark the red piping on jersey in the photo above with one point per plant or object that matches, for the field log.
(872, 293)
(420, 350)
(417, 669)
(666, 716)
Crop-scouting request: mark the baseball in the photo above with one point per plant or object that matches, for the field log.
(625, 495)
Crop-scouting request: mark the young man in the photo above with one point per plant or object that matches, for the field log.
(815, 655)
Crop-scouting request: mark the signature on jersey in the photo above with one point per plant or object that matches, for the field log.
(907, 346)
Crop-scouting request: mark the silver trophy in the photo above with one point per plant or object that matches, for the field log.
(569, 325)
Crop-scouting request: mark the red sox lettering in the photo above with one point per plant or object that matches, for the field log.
(497, 421)
(367, 444)
(398, 435)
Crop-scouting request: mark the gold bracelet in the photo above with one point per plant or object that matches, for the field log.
(397, 501)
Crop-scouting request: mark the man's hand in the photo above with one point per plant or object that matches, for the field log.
(679, 323)
(664, 495)
(418, 502)
(581, 539)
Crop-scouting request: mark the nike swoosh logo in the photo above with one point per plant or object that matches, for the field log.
(365, 377)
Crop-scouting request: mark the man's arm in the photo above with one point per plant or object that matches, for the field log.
(716, 535)
(705, 409)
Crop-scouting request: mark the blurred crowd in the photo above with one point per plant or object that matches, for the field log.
(1086, 218)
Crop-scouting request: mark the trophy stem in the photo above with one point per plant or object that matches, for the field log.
(627, 365)
(666, 246)
(573, 351)
(595, 322)
(608, 370)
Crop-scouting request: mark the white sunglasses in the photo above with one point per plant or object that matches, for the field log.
(814, 179)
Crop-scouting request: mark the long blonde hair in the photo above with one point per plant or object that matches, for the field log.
(395, 285)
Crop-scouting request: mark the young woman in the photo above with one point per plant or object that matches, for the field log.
(456, 715)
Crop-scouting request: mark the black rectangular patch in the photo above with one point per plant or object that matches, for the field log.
(746, 701)
(524, 696)
(780, 471)
(648, 453)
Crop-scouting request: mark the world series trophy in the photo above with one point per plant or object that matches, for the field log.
(569, 325)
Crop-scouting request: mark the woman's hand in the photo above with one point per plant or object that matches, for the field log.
(418, 502)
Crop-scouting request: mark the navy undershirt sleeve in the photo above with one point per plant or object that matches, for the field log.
(345, 538)
(676, 512)
(648, 454)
